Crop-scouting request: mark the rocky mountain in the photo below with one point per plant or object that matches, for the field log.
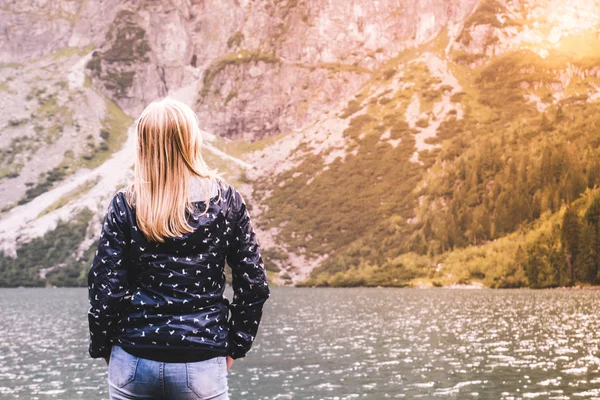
(385, 143)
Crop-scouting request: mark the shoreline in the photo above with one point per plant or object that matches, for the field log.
(454, 286)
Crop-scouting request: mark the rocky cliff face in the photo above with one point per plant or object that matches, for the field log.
(34, 29)
(308, 81)
(252, 68)
(289, 61)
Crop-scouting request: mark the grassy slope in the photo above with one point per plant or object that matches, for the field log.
(56, 246)
(318, 220)
(362, 224)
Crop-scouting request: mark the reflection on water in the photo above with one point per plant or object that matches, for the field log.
(343, 344)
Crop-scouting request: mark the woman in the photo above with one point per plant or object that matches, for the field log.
(157, 311)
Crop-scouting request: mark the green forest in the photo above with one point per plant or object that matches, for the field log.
(56, 248)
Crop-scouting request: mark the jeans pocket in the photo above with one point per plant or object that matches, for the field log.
(207, 378)
(122, 367)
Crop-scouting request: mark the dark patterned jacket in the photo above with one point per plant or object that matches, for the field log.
(170, 295)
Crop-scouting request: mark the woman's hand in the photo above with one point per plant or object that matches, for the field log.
(229, 362)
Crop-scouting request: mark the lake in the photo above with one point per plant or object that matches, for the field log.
(330, 343)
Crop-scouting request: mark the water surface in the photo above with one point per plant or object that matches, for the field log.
(343, 344)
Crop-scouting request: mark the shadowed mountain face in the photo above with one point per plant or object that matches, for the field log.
(381, 143)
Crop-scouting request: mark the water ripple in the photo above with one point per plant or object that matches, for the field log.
(327, 344)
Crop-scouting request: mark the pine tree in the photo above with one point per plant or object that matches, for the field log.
(569, 238)
(587, 265)
(533, 266)
(592, 214)
(592, 220)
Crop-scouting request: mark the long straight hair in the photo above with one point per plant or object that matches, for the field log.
(168, 155)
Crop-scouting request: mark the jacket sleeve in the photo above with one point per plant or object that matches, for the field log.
(249, 282)
(107, 278)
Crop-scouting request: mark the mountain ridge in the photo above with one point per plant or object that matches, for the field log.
(393, 114)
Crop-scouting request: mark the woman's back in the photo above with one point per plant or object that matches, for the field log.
(157, 279)
(175, 296)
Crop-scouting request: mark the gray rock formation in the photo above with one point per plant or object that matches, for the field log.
(251, 68)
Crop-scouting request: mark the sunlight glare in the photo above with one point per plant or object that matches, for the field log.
(568, 16)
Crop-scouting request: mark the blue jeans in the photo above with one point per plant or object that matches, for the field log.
(131, 377)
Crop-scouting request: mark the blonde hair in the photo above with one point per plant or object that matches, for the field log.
(168, 156)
